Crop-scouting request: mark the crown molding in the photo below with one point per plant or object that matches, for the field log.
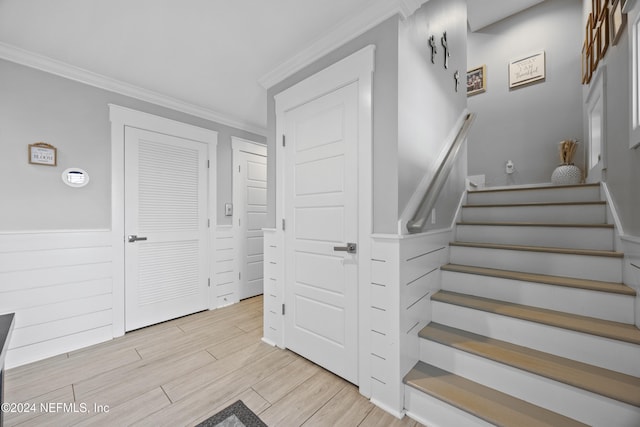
(371, 16)
(71, 72)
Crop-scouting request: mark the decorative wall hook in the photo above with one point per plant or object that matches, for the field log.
(447, 54)
(432, 43)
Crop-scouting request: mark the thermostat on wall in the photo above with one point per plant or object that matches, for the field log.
(75, 177)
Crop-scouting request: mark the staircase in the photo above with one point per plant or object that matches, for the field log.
(532, 326)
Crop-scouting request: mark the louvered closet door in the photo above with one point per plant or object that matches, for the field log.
(165, 227)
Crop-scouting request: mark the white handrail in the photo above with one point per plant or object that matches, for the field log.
(419, 219)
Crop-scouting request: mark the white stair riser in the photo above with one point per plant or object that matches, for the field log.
(558, 397)
(555, 237)
(551, 194)
(433, 412)
(602, 305)
(608, 269)
(610, 354)
(554, 214)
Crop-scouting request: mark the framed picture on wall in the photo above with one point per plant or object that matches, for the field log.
(603, 28)
(42, 153)
(477, 80)
(617, 21)
(527, 70)
(586, 62)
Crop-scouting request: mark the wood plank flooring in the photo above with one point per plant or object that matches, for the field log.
(181, 372)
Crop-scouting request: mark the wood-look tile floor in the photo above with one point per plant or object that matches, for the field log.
(180, 373)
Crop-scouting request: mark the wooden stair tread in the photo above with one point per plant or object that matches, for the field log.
(530, 204)
(614, 385)
(537, 224)
(483, 402)
(568, 251)
(592, 285)
(589, 325)
(531, 188)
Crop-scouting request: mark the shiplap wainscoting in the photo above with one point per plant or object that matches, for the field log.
(273, 290)
(225, 275)
(59, 284)
(404, 273)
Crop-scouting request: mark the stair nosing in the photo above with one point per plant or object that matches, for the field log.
(609, 329)
(547, 249)
(536, 224)
(594, 379)
(484, 397)
(534, 204)
(570, 282)
(532, 188)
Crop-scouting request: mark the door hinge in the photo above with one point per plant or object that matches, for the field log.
(239, 275)
(238, 168)
(283, 309)
(284, 143)
(209, 282)
(283, 224)
(208, 223)
(208, 164)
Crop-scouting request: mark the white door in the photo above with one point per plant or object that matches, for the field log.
(321, 295)
(250, 201)
(165, 227)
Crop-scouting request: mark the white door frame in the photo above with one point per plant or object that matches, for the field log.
(247, 146)
(359, 68)
(121, 117)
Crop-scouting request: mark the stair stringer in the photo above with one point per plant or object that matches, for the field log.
(627, 244)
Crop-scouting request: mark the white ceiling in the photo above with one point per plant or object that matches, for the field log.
(216, 56)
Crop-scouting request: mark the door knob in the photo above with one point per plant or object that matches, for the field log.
(133, 238)
(349, 248)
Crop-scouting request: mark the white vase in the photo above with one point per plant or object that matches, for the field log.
(566, 175)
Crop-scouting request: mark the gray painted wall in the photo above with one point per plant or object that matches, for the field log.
(37, 106)
(623, 163)
(385, 120)
(526, 124)
(428, 103)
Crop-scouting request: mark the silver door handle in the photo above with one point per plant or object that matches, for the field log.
(350, 248)
(133, 238)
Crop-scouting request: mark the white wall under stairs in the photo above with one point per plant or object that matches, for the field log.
(537, 272)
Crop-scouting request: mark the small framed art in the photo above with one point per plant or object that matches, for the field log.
(527, 70)
(42, 153)
(477, 80)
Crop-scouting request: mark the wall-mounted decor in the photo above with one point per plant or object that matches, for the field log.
(41, 153)
(456, 77)
(477, 80)
(434, 50)
(604, 27)
(527, 70)
(617, 21)
(603, 31)
(445, 44)
(586, 62)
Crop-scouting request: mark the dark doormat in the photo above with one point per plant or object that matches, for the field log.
(234, 415)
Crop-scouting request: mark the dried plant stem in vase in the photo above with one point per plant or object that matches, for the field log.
(568, 148)
(567, 173)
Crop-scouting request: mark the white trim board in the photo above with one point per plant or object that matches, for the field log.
(121, 117)
(374, 14)
(80, 75)
(248, 146)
